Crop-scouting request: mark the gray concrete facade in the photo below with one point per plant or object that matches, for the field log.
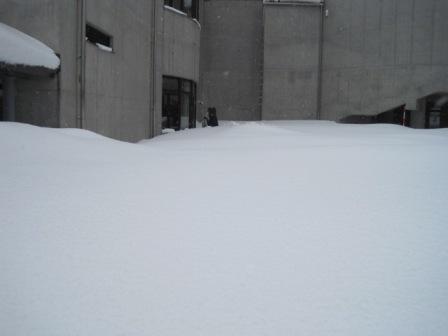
(376, 55)
(118, 93)
(181, 46)
(382, 54)
(292, 35)
(231, 58)
(108, 93)
(117, 83)
(250, 59)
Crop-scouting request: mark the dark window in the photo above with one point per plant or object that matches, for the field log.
(190, 7)
(96, 36)
(179, 103)
(436, 115)
(1, 101)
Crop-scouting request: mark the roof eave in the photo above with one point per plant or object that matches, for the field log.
(25, 71)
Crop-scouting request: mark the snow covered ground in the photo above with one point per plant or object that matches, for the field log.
(281, 228)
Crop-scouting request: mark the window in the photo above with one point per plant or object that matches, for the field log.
(99, 38)
(436, 111)
(1, 101)
(179, 103)
(189, 7)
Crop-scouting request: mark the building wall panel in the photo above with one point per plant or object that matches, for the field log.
(291, 62)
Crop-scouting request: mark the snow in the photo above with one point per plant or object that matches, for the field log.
(174, 10)
(262, 228)
(18, 48)
(168, 130)
(103, 47)
(197, 22)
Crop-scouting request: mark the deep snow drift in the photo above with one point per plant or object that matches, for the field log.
(299, 228)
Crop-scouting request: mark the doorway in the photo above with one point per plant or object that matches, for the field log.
(433, 110)
(1, 100)
(178, 104)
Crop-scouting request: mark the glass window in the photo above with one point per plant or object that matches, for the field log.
(190, 7)
(185, 111)
(170, 83)
(179, 103)
(98, 37)
(186, 86)
(177, 4)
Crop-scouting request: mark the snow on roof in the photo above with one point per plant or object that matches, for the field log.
(18, 48)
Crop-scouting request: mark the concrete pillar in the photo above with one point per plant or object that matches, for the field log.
(9, 98)
(418, 117)
(157, 69)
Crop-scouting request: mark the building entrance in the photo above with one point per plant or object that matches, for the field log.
(1, 100)
(433, 111)
(179, 103)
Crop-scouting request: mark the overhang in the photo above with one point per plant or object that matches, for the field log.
(23, 55)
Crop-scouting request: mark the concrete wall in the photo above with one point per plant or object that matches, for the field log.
(68, 17)
(377, 55)
(380, 54)
(122, 89)
(291, 61)
(181, 46)
(117, 84)
(231, 58)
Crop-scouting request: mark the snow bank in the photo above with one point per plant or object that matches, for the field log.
(299, 228)
(18, 48)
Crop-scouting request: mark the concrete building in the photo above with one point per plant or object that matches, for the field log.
(130, 68)
(114, 55)
(293, 59)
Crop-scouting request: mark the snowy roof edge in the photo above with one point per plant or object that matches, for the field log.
(23, 53)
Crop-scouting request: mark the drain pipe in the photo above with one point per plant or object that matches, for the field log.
(321, 59)
(80, 62)
(152, 116)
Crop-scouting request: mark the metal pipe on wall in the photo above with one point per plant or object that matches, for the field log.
(321, 61)
(80, 62)
(152, 117)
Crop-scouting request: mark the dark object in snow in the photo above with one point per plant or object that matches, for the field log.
(205, 122)
(398, 116)
(212, 117)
